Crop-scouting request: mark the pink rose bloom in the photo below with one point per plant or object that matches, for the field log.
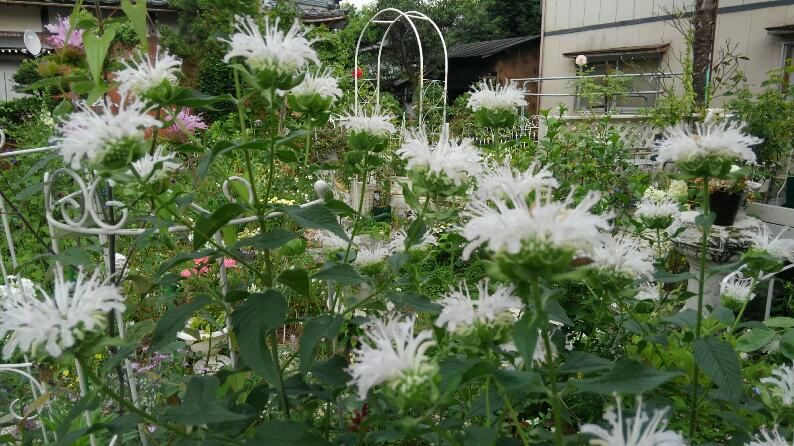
(59, 31)
(186, 123)
(203, 266)
(229, 263)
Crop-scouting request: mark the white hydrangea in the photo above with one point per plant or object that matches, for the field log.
(457, 161)
(504, 227)
(320, 83)
(142, 73)
(156, 166)
(627, 256)
(711, 138)
(460, 311)
(501, 180)
(389, 351)
(88, 134)
(374, 123)
(641, 430)
(486, 95)
(782, 383)
(283, 52)
(58, 322)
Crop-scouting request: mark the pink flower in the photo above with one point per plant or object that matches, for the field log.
(229, 263)
(185, 123)
(60, 30)
(203, 266)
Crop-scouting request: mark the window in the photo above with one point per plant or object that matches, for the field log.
(788, 59)
(634, 75)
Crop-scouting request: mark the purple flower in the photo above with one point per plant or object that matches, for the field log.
(60, 30)
(185, 123)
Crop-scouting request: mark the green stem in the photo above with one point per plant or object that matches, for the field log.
(739, 316)
(126, 404)
(282, 390)
(488, 401)
(699, 322)
(361, 194)
(513, 414)
(307, 150)
(555, 397)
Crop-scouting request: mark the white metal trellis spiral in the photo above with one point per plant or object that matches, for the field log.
(391, 16)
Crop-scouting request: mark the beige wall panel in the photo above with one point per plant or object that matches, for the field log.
(643, 8)
(663, 7)
(20, 18)
(550, 21)
(624, 9)
(576, 16)
(608, 11)
(591, 10)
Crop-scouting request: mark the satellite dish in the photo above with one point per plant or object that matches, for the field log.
(32, 43)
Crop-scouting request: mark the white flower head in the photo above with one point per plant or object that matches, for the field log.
(648, 291)
(16, 289)
(725, 140)
(374, 123)
(319, 83)
(141, 73)
(654, 194)
(390, 351)
(332, 242)
(782, 383)
(651, 209)
(88, 134)
(538, 356)
(737, 288)
(57, 322)
(459, 310)
(397, 242)
(502, 227)
(678, 190)
(627, 256)
(156, 166)
(371, 255)
(641, 430)
(277, 50)
(581, 60)
(487, 95)
(782, 248)
(454, 160)
(500, 180)
(767, 438)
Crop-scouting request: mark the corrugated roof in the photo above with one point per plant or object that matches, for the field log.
(487, 48)
(154, 3)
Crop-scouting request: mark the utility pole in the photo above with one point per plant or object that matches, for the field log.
(705, 24)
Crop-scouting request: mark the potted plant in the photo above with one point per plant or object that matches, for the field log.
(726, 197)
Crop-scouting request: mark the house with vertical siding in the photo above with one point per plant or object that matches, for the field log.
(639, 37)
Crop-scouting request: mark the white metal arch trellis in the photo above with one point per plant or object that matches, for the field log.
(391, 16)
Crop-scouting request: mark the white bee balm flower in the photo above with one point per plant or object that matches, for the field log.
(374, 123)
(641, 430)
(276, 50)
(453, 160)
(496, 97)
(319, 83)
(460, 311)
(141, 73)
(58, 322)
(767, 438)
(390, 352)
(156, 166)
(627, 256)
(502, 180)
(782, 383)
(725, 140)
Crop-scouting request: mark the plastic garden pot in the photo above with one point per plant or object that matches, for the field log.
(725, 205)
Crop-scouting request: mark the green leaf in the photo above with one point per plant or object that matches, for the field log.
(29, 191)
(780, 322)
(787, 344)
(584, 362)
(137, 15)
(208, 225)
(251, 322)
(75, 255)
(200, 404)
(525, 335)
(181, 258)
(754, 339)
(96, 50)
(275, 238)
(719, 361)
(418, 303)
(315, 217)
(174, 320)
(296, 279)
(480, 436)
(340, 273)
(194, 99)
(286, 433)
(627, 376)
(332, 372)
(293, 135)
(323, 327)
(684, 319)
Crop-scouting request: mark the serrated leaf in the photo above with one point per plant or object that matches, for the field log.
(787, 344)
(297, 280)
(174, 320)
(96, 50)
(780, 322)
(208, 225)
(286, 433)
(418, 303)
(627, 376)
(754, 339)
(584, 362)
(251, 322)
(719, 361)
(201, 405)
(137, 16)
(315, 217)
(275, 238)
(323, 327)
(343, 273)
(331, 372)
